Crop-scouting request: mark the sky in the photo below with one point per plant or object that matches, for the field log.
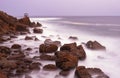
(61, 7)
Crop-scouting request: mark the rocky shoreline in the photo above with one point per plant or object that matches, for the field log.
(13, 60)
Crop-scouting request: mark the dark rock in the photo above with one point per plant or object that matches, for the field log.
(66, 60)
(16, 46)
(50, 67)
(35, 66)
(21, 27)
(47, 57)
(28, 49)
(2, 75)
(73, 38)
(75, 50)
(98, 73)
(47, 48)
(94, 45)
(16, 56)
(36, 30)
(5, 50)
(81, 72)
(36, 39)
(64, 73)
(25, 20)
(49, 41)
(38, 24)
(28, 38)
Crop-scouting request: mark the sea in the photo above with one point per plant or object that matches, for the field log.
(104, 29)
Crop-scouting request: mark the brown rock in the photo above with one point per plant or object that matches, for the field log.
(64, 73)
(81, 72)
(50, 67)
(73, 38)
(75, 50)
(97, 72)
(36, 30)
(16, 46)
(35, 66)
(94, 45)
(47, 57)
(66, 60)
(21, 27)
(47, 48)
(38, 24)
(16, 56)
(28, 38)
(25, 21)
(2, 75)
(5, 50)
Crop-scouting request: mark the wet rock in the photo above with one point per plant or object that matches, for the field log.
(35, 66)
(64, 73)
(47, 57)
(47, 48)
(27, 76)
(5, 50)
(25, 20)
(2, 75)
(36, 30)
(21, 27)
(50, 67)
(97, 73)
(28, 49)
(16, 56)
(16, 46)
(66, 60)
(36, 39)
(81, 72)
(49, 41)
(94, 45)
(75, 50)
(73, 38)
(28, 38)
(38, 24)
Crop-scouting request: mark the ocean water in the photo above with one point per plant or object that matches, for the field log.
(105, 30)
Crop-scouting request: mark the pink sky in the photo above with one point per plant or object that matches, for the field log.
(61, 7)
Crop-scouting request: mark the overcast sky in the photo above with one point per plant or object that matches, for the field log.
(61, 7)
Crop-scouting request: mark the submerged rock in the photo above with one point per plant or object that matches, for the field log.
(73, 38)
(47, 48)
(94, 45)
(64, 73)
(66, 60)
(28, 38)
(35, 66)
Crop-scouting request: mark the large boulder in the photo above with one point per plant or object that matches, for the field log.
(37, 30)
(66, 60)
(21, 27)
(2, 75)
(5, 50)
(94, 45)
(47, 48)
(75, 50)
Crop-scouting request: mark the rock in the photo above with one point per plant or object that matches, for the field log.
(96, 72)
(25, 20)
(28, 38)
(36, 30)
(94, 45)
(36, 39)
(75, 50)
(38, 24)
(2, 75)
(16, 46)
(21, 27)
(47, 57)
(73, 38)
(64, 73)
(50, 67)
(16, 56)
(47, 48)
(66, 60)
(5, 50)
(81, 72)
(49, 41)
(35, 66)
(28, 49)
